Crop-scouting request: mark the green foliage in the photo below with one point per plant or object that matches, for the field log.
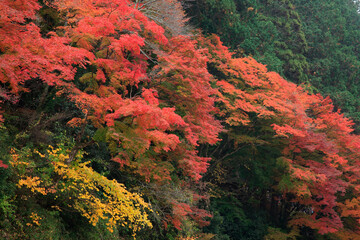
(313, 42)
(270, 31)
(331, 30)
(141, 102)
(279, 234)
(234, 219)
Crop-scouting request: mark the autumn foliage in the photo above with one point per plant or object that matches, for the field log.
(319, 148)
(155, 98)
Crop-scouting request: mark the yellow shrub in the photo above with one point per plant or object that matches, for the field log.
(85, 190)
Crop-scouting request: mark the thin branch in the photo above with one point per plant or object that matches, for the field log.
(78, 144)
(148, 56)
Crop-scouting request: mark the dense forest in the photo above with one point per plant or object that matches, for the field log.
(176, 119)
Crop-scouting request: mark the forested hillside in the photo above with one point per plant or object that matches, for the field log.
(306, 42)
(167, 119)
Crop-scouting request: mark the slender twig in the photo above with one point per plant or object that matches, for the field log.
(78, 144)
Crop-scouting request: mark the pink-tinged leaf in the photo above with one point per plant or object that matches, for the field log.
(3, 165)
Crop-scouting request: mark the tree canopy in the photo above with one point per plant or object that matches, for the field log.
(120, 121)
